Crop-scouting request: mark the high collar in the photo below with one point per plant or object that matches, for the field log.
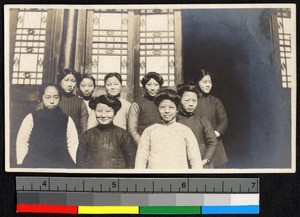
(203, 95)
(87, 98)
(168, 123)
(105, 127)
(114, 97)
(67, 95)
(184, 113)
(54, 111)
(148, 97)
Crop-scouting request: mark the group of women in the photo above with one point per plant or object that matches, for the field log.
(163, 129)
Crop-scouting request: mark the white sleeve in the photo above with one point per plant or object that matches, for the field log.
(92, 120)
(72, 139)
(22, 143)
(143, 150)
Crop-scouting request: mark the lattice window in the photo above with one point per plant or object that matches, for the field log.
(109, 49)
(285, 48)
(157, 44)
(29, 47)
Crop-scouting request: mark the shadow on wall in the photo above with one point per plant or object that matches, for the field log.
(236, 47)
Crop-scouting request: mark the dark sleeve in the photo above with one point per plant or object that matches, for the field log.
(129, 149)
(221, 117)
(83, 118)
(210, 139)
(82, 151)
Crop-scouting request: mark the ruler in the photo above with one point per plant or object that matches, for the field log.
(76, 195)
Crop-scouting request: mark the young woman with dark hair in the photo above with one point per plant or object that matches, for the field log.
(113, 87)
(212, 108)
(86, 88)
(143, 112)
(71, 104)
(201, 127)
(168, 144)
(47, 137)
(106, 146)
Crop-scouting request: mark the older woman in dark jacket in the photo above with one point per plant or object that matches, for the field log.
(212, 108)
(200, 126)
(106, 146)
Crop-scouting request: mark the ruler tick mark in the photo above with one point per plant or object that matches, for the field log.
(31, 186)
(170, 188)
(152, 186)
(135, 187)
(196, 189)
(240, 188)
(231, 190)
(223, 186)
(205, 188)
(100, 187)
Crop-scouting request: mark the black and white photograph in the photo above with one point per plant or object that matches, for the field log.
(150, 88)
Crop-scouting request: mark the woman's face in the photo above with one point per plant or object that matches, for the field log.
(152, 87)
(104, 114)
(50, 98)
(68, 83)
(87, 87)
(113, 86)
(189, 101)
(167, 110)
(205, 84)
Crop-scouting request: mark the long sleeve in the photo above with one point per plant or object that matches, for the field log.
(210, 140)
(83, 118)
(82, 151)
(133, 118)
(193, 152)
(92, 120)
(129, 150)
(143, 150)
(22, 143)
(72, 139)
(221, 117)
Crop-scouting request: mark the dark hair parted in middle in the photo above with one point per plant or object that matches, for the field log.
(115, 104)
(88, 76)
(44, 87)
(113, 74)
(65, 72)
(157, 77)
(167, 94)
(200, 75)
(182, 88)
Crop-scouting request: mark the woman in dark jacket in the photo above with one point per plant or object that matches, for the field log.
(143, 112)
(201, 127)
(71, 104)
(47, 137)
(212, 108)
(106, 146)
